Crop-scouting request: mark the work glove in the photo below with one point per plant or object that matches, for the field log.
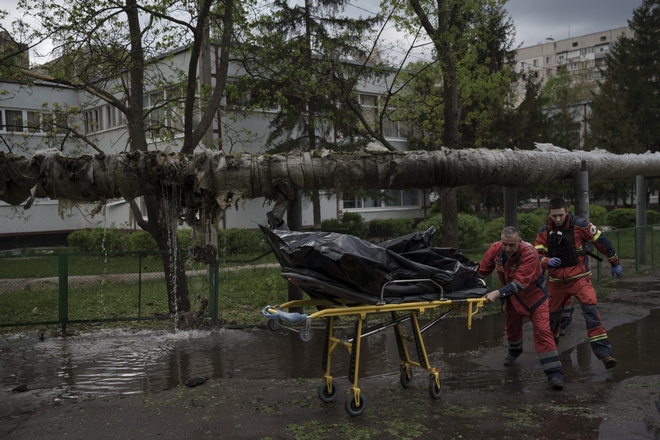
(556, 262)
(617, 271)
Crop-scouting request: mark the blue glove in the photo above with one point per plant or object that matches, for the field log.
(617, 270)
(554, 262)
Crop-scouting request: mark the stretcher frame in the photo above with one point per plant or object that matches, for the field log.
(339, 307)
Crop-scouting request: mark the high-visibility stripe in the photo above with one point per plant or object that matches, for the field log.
(551, 365)
(548, 354)
(540, 246)
(598, 338)
(560, 280)
(595, 236)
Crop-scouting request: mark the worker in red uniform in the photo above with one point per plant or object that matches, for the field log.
(563, 243)
(521, 278)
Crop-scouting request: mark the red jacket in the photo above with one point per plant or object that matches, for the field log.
(520, 276)
(577, 233)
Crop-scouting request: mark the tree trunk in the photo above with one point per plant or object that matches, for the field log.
(163, 214)
(449, 217)
(316, 207)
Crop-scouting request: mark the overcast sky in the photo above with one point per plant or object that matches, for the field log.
(535, 20)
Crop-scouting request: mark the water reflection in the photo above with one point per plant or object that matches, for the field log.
(636, 346)
(112, 362)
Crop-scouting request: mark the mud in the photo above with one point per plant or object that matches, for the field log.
(264, 385)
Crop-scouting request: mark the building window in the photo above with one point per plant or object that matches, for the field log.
(93, 121)
(548, 73)
(14, 120)
(523, 65)
(561, 57)
(18, 121)
(381, 199)
(575, 44)
(535, 62)
(548, 60)
(391, 129)
(369, 108)
(164, 113)
(603, 38)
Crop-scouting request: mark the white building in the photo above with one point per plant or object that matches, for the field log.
(29, 112)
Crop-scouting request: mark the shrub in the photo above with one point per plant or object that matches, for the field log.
(435, 220)
(652, 217)
(237, 241)
(529, 225)
(329, 224)
(140, 241)
(597, 214)
(355, 224)
(622, 218)
(390, 228)
(98, 240)
(493, 230)
(471, 230)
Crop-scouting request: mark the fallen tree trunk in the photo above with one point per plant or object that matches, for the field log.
(215, 178)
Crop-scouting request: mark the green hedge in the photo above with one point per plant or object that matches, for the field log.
(597, 214)
(387, 229)
(622, 218)
(471, 230)
(528, 224)
(351, 222)
(652, 217)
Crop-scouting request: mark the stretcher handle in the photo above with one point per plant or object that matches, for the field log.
(421, 280)
(271, 312)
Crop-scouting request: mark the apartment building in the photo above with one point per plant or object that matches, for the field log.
(584, 55)
(28, 113)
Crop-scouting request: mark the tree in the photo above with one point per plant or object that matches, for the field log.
(113, 51)
(471, 43)
(626, 109)
(565, 95)
(291, 57)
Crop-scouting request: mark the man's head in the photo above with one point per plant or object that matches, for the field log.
(510, 240)
(557, 210)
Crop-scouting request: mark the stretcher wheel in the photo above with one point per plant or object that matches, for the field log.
(404, 378)
(434, 390)
(353, 409)
(274, 324)
(327, 396)
(306, 336)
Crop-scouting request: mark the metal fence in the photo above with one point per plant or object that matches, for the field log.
(93, 287)
(67, 288)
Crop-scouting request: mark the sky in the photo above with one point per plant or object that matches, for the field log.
(535, 20)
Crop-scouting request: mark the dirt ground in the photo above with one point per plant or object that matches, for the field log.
(481, 398)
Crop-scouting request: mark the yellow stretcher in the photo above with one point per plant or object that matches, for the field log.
(336, 305)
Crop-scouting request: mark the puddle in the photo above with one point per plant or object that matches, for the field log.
(636, 346)
(117, 362)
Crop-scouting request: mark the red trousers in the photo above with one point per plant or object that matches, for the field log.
(543, 339)
(560, 292)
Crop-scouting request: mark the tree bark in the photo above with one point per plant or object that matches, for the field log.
(211, 181)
